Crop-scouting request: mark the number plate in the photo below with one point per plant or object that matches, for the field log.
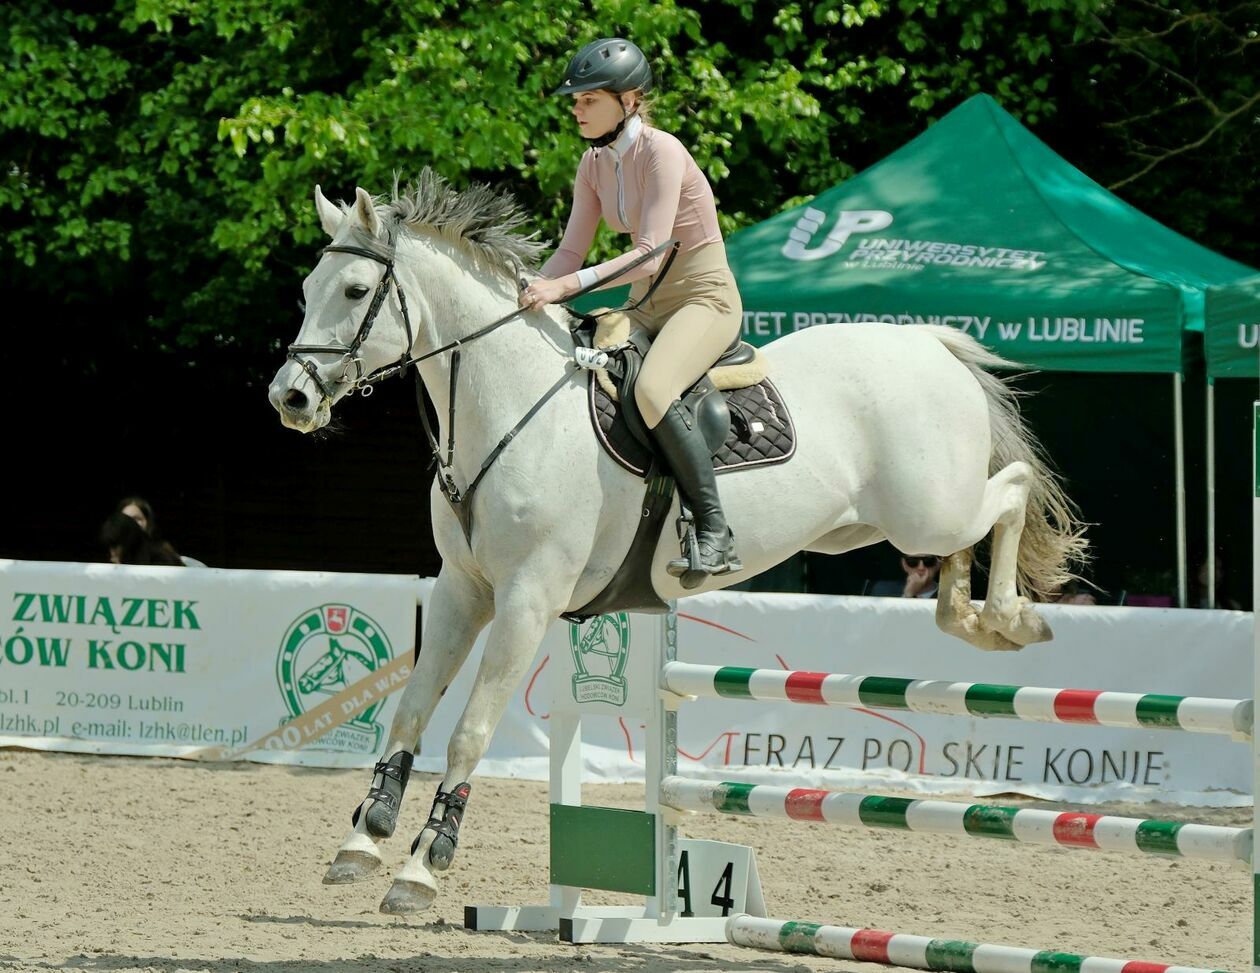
(717, 879)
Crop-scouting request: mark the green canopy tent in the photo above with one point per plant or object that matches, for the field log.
(1231, 345)
(977, 224)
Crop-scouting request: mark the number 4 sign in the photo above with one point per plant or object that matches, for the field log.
(717, 879)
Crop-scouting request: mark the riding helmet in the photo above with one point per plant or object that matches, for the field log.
(611, 63)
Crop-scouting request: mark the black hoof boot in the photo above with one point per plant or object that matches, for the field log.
(383, 802)
(451, 805)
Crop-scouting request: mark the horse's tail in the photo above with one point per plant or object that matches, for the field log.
(1053, 541)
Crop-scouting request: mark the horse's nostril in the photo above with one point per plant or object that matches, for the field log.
(294, 400)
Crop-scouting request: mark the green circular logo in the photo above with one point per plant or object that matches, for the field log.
(324, 651)
(601, 649)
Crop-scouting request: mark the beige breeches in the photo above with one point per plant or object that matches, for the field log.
(695, 314)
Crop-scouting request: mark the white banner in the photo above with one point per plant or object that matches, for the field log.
(158, 661)
(304, 667)
(1143, 650)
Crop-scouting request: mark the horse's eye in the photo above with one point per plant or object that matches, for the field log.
(356, 291)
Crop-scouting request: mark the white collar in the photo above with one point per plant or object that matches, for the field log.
(634, 125)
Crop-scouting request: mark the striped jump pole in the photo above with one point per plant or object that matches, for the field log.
(1066, 829)
(1197, 714)
(921, 952)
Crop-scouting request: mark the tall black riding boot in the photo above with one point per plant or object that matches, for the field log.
(688, 455)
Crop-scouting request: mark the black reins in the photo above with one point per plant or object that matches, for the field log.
(383, 253)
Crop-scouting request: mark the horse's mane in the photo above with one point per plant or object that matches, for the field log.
(484, 220)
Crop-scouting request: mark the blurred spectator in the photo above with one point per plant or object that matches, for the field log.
(1076, 592)
(921, 580)
(1199, 596)
(128, 543)
(141, 511)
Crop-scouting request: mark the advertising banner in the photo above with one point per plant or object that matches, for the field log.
(281, 666)
(1142, 650)
(305, 667)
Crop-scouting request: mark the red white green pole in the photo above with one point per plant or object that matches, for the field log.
(1196, 714)
(921, 952)
(1096, 832)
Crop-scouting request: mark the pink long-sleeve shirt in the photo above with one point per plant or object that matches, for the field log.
(645, 184)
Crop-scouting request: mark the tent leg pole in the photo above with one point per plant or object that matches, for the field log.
(1255, 739)
(1180, 447)
(1211, 494)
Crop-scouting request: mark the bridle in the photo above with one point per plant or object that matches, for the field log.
(383, 253)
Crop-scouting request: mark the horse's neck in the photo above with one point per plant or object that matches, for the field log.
(501, 375)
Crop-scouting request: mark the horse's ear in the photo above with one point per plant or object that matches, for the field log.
(366, 211)
(330, 217)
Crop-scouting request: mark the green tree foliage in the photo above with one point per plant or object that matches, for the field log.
(1176, 90)
(160, 155)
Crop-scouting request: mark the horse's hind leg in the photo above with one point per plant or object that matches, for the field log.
(955, 614)
(521, 621)
(1006, 621)
(1005, 611)
(455, 615)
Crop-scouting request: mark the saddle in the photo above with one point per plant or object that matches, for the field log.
(740, 412)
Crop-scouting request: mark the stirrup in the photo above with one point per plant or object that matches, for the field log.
(446, 840)
(690, 560)
(692, 568)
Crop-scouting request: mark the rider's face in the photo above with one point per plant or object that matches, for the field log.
(597, 112)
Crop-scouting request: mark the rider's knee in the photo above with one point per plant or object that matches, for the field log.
(652, 401)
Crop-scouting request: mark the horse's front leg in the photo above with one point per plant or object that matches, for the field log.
(521, 620)
(455, 615)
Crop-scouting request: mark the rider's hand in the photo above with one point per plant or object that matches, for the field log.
(546, 290)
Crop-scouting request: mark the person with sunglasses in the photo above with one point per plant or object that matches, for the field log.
(922, 575)
(922, 578)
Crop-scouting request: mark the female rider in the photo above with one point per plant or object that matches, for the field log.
(642, 181)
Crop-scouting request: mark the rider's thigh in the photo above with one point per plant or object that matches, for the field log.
(688, 344)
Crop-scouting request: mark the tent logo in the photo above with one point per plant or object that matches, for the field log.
(848, 222)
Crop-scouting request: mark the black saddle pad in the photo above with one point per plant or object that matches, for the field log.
(773, 441)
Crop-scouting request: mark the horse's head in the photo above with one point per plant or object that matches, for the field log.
(356, 318)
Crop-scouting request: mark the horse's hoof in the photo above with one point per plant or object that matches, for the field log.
(405, 897)
(380, 820)
(1024, 628)
(351, 866)
(1029, 627)
(993, 642)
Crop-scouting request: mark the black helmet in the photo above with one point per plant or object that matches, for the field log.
(608, 63)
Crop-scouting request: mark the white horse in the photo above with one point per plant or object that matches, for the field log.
(902, 436)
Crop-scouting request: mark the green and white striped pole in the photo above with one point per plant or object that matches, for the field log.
(922, 952)
(1195, 714)
(1062, 829)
